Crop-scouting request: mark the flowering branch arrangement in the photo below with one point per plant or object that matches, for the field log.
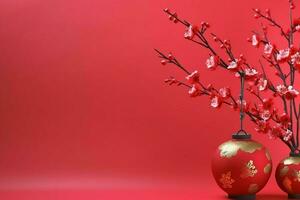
(276, 122)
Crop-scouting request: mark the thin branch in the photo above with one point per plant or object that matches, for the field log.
(174, 61)
(273, 22)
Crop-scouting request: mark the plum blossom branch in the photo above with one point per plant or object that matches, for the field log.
(267, 16)
(277, 123)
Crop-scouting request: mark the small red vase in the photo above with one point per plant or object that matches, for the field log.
(288, 176)
(241, 167)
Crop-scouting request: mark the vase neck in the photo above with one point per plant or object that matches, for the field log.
(241, 136)
(293, 154)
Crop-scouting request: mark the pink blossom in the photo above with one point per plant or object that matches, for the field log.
(283, 55)
(296, 21)
(255, 40)
(281, 90)
(291, 92)
(267, 103)
(215, 102)
(224, 92)
(275, 132)
(284, 119)
(287, 136)
(265, 115)
(244, 104)
(194, 91)
(297, 28)
(233, 65)
(212, 62)
(268, 49)
(295, 59)
(262, 126)
(193, 77)
(250, 73)
(262, 84)
(190, 32)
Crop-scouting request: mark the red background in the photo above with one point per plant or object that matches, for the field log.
(84, 106)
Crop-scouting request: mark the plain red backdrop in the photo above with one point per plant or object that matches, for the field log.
(83, 103)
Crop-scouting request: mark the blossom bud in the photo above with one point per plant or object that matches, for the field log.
(264, 28)
(256, 16)
(163, 62)
(292, 6)
(209, 87)
(167, 80)
(170, 56)
(271, 64)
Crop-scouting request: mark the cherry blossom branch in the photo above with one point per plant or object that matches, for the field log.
(264, 112)
(254, 118)
(200, 34)
(298, 121)
(270, 84)
(205, 91)
(291, 23)
(292, 77)
(171, 59)
(277, 67)
(172, 81)
(224, 44)
(271, 20)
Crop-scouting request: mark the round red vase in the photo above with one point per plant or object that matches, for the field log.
(241, 167)
(288, 176)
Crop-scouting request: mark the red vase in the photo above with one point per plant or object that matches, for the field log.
(241, 167)
(288, 176)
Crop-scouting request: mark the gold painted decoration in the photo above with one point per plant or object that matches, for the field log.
(253, 188)
(267, 168)
(287, 183)
(268, 154)
(297, 175)
(226, 180)
(291, 161)
(250, 170)
(283, 171)
(230, 148)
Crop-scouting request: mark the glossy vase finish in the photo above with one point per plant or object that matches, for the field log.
(288, 176)
(241, 167)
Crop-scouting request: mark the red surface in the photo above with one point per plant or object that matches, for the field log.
(83, 102)
(149, 194)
